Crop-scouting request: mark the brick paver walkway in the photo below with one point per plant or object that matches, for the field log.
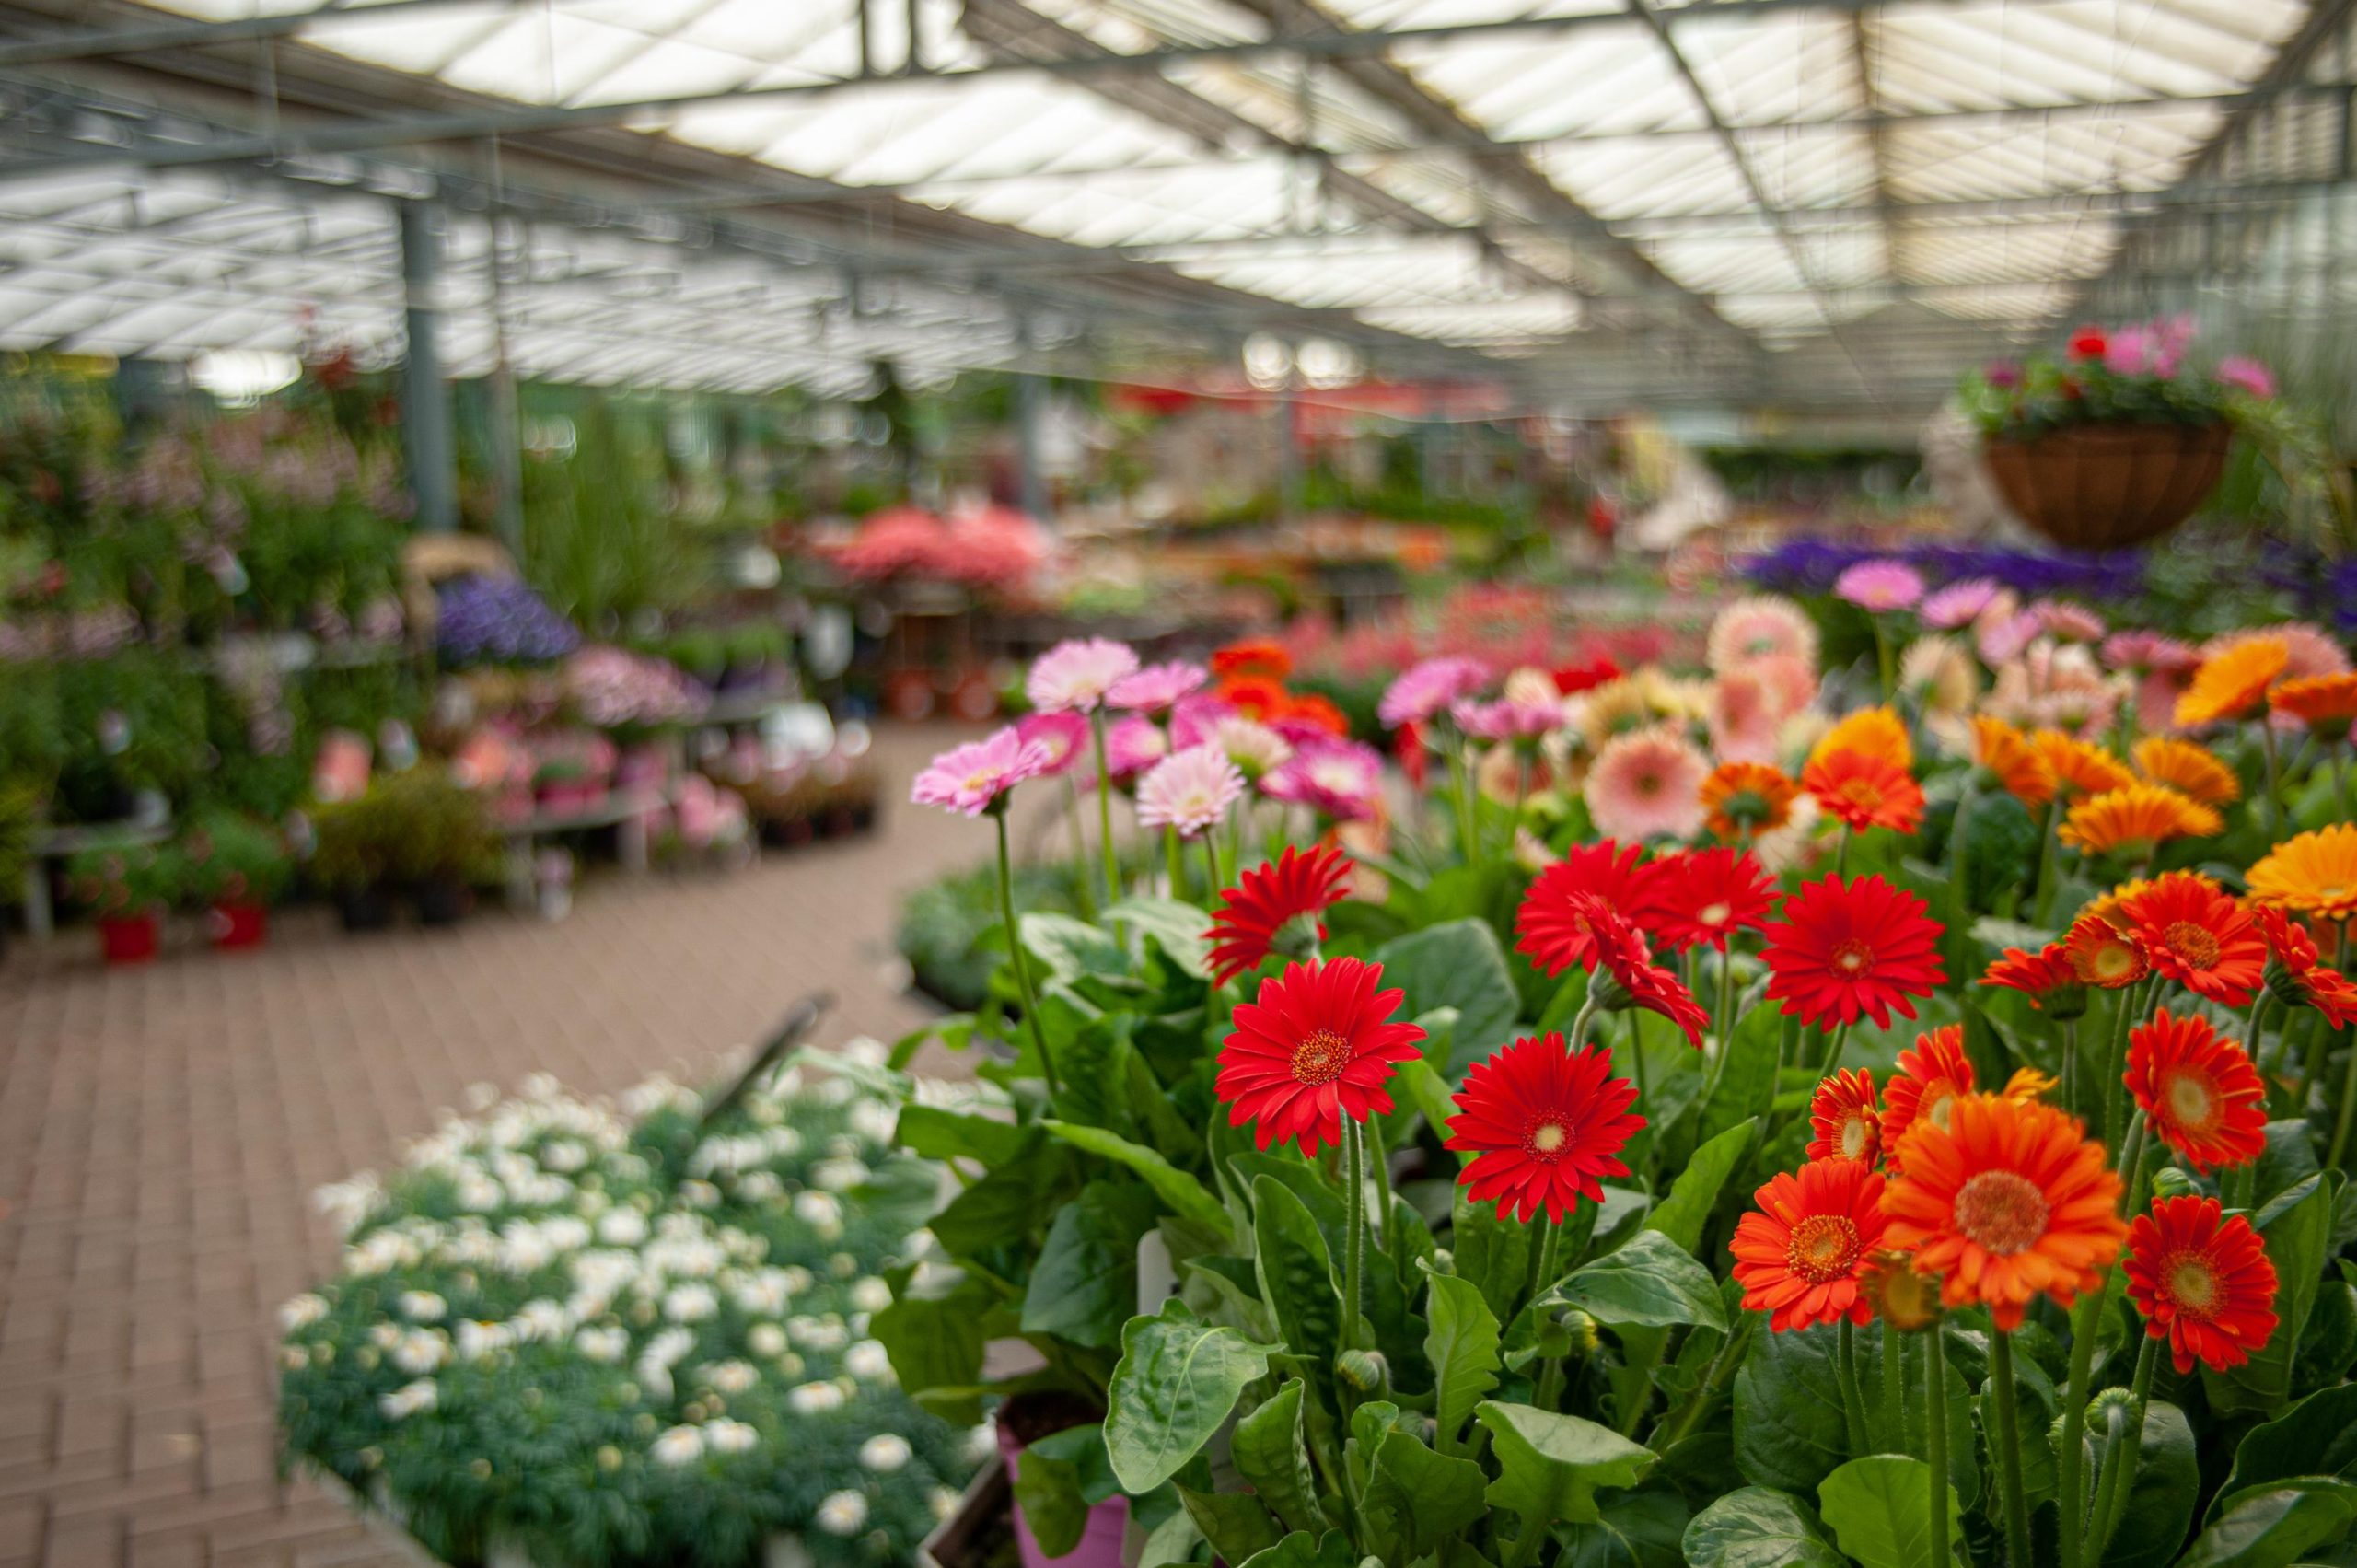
(161, 1130)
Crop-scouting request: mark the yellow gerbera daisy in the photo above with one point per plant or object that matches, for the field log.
(1877, 732)
(2080, 767)
(2006, 753)
(2233, 682)
(2136, 820)
(2188, 769)
(2315, 873)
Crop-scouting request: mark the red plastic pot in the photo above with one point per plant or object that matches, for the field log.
(130, 938)
(1101, 1539)
(240, 925)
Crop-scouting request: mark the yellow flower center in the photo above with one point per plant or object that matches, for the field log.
(2192, 943)
(1854, 1134)
(1546, 1140)
(2193, 1284)
(2002, 1211)
(1852, 959)
(1823, 1248)
(1938, 1100)
(1713, 914)
(2191, 1104)
(1320, 1058)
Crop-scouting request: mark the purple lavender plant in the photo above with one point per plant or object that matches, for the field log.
(499, 620)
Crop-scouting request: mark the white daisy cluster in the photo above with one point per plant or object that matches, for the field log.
(709, 1297)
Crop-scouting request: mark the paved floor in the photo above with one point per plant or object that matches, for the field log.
(161, 1130)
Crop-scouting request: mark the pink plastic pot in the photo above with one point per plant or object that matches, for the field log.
(1100, 1539)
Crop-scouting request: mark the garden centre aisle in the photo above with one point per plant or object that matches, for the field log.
(162, 1131)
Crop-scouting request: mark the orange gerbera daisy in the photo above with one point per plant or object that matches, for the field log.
(1878, 732)
(2080, 767)
(2233, 682)
(1745, 799)
(2325, 703)
(2136, 820)
(2010, 1200)
(1253, 656)
(1843, 1115)
(1797, 1255)
(2006, 752)
(2198, 1092)
(2102, 954)
(2296, 975)
(2045, 977)
(1929, 1079)
(2315, 873)
(2188, 769)
(1863, 791)
(2198, 936)
(2202, 1281)
(2028, 1082)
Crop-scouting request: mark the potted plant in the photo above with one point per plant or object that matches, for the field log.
(350, 859)
(442, 845)
(2120, 440)
(20, 811)
(238, 866)
(126, 888)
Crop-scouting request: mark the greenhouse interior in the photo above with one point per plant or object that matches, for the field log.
(1152, 783)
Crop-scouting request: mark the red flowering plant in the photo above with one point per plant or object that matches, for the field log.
(1798, 1132)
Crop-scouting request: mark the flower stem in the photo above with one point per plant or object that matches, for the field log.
(1177, 865)
(1582, 1020)
(2275, 811)
(2071, 1064)
(1083, 896)
(1105, 806)
(1015, 947)
(1882, 655)
(1676, 1428)
(2116, 1061)
(1551, 1377)
(1839, 1039)
(1211, 859)
(1468, 822)
(2123, 1454)
(1726, 1019)
(2087, 1319)
(1354, 1243)
(2348, 1105)
(2009, 1448)
(1853, 1400)
(1894, 1387)
(1936, 1442)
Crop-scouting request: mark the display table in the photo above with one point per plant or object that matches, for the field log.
(63, 844)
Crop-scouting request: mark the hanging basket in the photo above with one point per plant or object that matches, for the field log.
(2106, 486)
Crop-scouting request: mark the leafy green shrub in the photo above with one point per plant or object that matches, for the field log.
(230, 858)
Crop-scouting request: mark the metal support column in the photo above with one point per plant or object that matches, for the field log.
(507, 458)
(425, 401)
(1030, 483)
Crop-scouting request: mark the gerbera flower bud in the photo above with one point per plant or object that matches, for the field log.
(1898, 1295)
(1580, 1330)
(1364, 1370)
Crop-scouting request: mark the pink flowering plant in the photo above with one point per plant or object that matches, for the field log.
(2144, 374)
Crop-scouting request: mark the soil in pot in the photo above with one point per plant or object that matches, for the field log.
(130, 939)
(1023, 1421)
(240, 925)
(370, 909)
(442, 902)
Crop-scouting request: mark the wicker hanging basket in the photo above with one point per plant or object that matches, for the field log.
(2106, 486)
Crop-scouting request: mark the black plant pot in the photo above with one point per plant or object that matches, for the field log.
(443, 902)
(370, 909)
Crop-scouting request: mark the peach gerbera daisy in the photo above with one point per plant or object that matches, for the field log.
(2006, 752)
(2080, 767)
(1745, 714)
(2325, 703)
(1761, 626)
(2007, 1201)
(1618, 707)
(1648, 784)
(1872, 732)
(2315, 873)
(2188, 769)
(2136, 820)
(1741, 800)
(2232, 682)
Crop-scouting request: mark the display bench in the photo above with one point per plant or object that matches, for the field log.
(63, 844)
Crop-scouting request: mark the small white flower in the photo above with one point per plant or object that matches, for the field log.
(604, 1345)
(842, 1512)
(942, 1500)
(982, 1442)
(422, 1307)
(302, 1311)
(726, 1436)
(700, 1194)
(410, 1399)
(656, 1378)
(541, 1319)
(839, 1175)
(667, 1347)
(815, 1398)
(822, 1211)
(875, 1119)
(760, 1187)
(817, 1333)
(731, 1376)
(421, 1351)
(480, 1341)
(871, 1295)
(563, 1155)
(679, 1446)
(869, 1361)
(621, 1227)
(766, 1341)
(884, 1452)
(690, 1302)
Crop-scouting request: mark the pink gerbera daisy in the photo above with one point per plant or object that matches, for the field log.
(1426, 690)
(1063, 736)
(1647, 784)
(1343, 779)
(973, 778)
(1880, 586)
(1746, 711)
(1155, 687)
(1076, 675)
(1506, 719)
(1195, 717)
(1133, 743)
(1189, 790)
(1252, 746)
(1957, 604)
(1761, 626)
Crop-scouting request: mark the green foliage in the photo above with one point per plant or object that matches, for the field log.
(1880, 1511)
(418, 825)
(233, 859)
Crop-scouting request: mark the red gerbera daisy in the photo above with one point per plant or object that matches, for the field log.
(1293, 887)
(1797, 1255)
(2101, 953)
(1542, 1124)
(1929, 1079)
(1708, 895)
(2295, 974)
(1254, 696)
(1317, 1046)
(1842, 1113)
(1551, 931)
(1847, 949)
(1617, 949)
(2202, 1283)
(2199, 1091)
(2198, 936)
(2045, 977)
(1861, 790)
